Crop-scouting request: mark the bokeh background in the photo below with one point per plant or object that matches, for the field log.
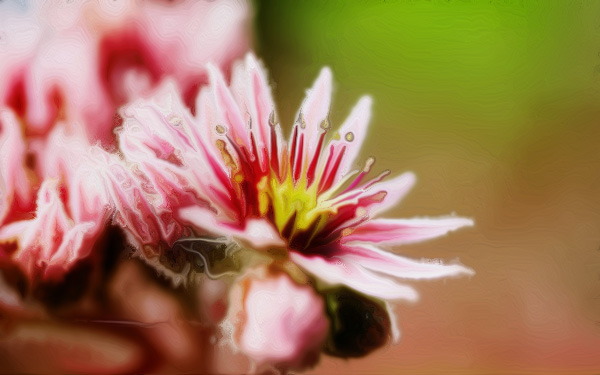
(495, 105)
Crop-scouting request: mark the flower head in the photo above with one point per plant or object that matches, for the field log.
(227, 171)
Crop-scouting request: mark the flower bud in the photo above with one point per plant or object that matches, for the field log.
(276, 321)
(358, 324)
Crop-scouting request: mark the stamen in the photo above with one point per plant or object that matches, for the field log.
(377, 179)
(368, 164)
(301, 121)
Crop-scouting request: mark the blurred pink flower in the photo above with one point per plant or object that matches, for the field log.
(57, 197)
(15, 187)
(80, 60)
(238, 178)
(275, 321)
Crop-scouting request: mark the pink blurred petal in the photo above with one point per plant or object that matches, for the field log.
(14, 184)
(395, 232)
(67, 155)
(51, 243)
(82, 60)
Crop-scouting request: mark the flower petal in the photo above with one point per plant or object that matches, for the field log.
(344, 271)
(227, 110)
(352, 133)
(75, 60)
(257, 233)
(395, 190)
(314, 110)
(172, 149)
(403, 231)
(380, 261)
(50, 243)
(69, 157)
(253, 93)
(13, 178)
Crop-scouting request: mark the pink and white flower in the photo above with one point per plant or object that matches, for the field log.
(227, 171)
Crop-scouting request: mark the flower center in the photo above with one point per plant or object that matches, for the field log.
(295, 205)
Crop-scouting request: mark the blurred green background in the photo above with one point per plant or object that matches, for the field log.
(495, 105)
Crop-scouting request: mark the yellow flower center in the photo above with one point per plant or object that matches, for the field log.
(288, 199)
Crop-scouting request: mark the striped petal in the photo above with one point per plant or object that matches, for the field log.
(51, 243)
(395, 189)
(14, 184)
(339, 270)
(314, 111)
(352, 134)
(377, 260)
(257, 233)
(253, 94)
(396, 232)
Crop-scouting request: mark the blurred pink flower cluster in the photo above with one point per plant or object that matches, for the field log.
(117, 117)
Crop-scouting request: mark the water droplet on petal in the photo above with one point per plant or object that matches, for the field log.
(349, 136)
